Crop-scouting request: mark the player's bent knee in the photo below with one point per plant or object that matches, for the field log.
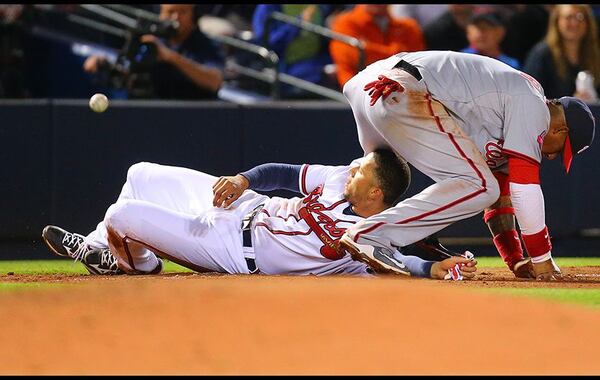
(491, 194)
(117, 214)
(137, 168)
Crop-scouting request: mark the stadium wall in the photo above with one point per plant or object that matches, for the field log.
(64, 164)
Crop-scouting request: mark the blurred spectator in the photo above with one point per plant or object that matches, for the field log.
(12, 82)
(424, 14)
(382, 34)
(188, 65)
(526, 25)
(334, 11)
(238, 15)
(570, 46)
(448, 32)
(485, 33)
(302, 54)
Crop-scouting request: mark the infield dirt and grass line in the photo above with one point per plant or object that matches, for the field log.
(187, 323)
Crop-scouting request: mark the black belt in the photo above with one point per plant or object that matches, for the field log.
(247, 239)
(412, 70)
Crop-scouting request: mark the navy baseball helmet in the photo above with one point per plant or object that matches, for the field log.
(581, 124)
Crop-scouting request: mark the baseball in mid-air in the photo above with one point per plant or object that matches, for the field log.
(99, 103)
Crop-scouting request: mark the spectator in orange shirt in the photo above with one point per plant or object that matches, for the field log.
(382, 34)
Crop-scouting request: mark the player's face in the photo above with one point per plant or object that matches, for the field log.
(553, 145)
(361, 181)
(554, 141)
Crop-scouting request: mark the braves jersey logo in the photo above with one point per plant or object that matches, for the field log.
(493, 154)
(315, 217)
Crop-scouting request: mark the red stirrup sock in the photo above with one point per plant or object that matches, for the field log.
(509, 246)
(538, 245)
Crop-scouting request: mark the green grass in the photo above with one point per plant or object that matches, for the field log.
(496, 262)
(588, 297)
(66, 266)
(70, 267)
(50, 267)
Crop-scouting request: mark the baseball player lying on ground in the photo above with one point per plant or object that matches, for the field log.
(479, 129)
(223, 225)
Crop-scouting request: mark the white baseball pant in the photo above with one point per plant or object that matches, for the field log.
(167, 211)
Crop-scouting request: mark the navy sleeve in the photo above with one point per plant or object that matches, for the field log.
(268, 177)
(416, 265)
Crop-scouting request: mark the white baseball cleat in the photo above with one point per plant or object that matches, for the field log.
(524, 269)
(380, 259)
(547, 271)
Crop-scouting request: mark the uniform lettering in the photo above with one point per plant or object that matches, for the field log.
(322, 223)
(494, 157)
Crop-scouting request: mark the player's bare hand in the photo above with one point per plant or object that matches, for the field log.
(382, 87)
(228, 189)
(457, 267)
(163, 53)
(93, 63)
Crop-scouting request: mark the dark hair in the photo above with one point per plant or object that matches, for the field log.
(393, 175)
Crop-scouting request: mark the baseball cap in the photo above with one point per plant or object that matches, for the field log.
(492, 18)
(581, 124)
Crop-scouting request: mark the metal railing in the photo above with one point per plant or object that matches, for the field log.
(111, 15)
(320, 30)
(271, 74)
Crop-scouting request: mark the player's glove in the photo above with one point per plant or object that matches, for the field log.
(382, 87)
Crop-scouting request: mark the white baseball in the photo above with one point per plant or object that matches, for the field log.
(99, 103)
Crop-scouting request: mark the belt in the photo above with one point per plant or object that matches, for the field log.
(412, 70)
(247, 239)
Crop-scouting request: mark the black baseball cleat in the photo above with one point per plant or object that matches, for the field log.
(101, 261)
(430, 249)
(380, 259)
(64, 243)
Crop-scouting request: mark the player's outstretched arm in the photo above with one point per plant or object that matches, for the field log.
(265, 177)
(467, 267)
(454, 268)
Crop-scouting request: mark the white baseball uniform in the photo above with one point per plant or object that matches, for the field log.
(168, 210)
(455, 124)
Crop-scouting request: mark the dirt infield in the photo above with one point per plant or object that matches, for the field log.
(217, 324)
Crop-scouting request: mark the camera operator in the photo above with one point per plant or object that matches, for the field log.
(188, 65)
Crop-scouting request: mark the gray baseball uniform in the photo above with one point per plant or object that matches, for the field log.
(457, 118)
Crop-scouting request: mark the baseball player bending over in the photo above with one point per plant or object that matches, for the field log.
(223, 225)
(479, 129)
